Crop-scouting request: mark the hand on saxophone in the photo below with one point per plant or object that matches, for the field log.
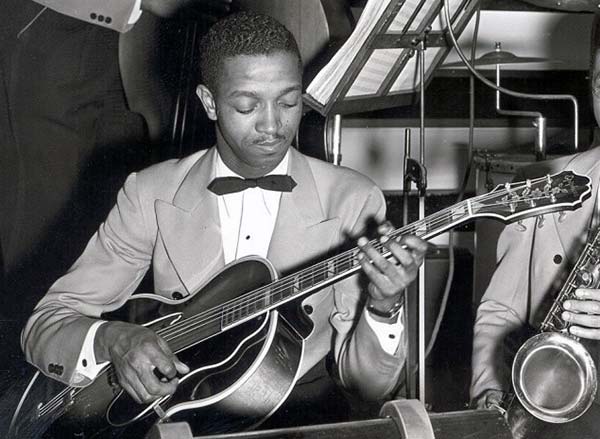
(583, 313)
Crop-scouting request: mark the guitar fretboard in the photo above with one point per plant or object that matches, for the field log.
(523, 199)
(338, 267)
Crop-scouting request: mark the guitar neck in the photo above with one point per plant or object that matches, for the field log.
(336, 268)
(564, 191)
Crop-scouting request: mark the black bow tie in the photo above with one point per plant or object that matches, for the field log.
(228, 185)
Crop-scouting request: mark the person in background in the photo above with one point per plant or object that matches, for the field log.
(70, 129)
(533, 264)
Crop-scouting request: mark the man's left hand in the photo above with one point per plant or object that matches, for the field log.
(583, 313)
(388, 278)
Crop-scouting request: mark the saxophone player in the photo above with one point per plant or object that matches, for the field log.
(533, 260)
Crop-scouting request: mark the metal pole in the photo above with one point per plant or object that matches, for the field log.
(337, 139)
(406, 184)
(421, 289)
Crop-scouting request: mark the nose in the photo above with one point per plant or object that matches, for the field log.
(269, 121)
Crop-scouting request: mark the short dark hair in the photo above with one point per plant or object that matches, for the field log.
(243, 33)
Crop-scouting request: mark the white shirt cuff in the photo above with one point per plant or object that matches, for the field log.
(87, 369)
(388, 334)
(136, 13)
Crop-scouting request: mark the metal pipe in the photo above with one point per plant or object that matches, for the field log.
(508, 91)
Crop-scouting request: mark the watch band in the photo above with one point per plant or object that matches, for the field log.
(392, 312)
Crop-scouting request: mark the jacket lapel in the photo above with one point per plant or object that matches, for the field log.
(302, 230)
(573, 225)
(189, 226)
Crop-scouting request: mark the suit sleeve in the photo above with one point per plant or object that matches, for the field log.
(523, 276)
(113, 14)
(502, 310)
(101, 280)
(363, 366)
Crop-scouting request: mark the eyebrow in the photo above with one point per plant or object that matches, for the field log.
(251, 94)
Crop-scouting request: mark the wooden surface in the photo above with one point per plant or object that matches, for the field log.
(472, 424)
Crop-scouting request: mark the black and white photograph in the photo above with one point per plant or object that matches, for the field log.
(260, 219)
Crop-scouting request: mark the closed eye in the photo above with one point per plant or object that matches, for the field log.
(288, 104)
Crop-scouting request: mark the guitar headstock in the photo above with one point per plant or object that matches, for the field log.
(563, 191)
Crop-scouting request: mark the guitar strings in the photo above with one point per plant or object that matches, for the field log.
(269, 292)
(197, 321)
(259, 295)
(216, 314)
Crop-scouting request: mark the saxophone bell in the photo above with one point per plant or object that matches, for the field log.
(554, 377)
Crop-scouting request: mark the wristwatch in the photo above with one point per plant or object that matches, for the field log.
(390, 313)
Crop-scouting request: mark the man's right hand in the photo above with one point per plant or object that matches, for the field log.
(137, 354)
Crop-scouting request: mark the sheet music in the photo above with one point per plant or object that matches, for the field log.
(411, 17)
(403, 16)
(374, 72)
(408, 79)
(324, 83)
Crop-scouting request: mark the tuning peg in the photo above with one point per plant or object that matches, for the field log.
(540, 221)
(562, 216)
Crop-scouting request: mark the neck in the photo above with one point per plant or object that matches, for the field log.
(243, 169)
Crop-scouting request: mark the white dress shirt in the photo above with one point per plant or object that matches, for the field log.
(239, 214)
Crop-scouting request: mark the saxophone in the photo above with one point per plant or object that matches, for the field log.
(553, 374)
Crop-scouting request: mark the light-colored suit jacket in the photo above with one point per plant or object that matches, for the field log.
(113, 14)
(532, 265)
(166, 219)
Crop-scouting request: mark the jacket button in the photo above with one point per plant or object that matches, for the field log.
(107, 20)
(101, 18)
(93, 16)
(177, 295)
(557, 259)
(308, 309)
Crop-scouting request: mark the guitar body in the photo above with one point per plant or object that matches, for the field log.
(237, 378)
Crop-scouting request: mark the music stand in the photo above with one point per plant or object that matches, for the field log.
(381, 71)
(377, 68)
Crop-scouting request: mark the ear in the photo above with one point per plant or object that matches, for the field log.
(208, 101)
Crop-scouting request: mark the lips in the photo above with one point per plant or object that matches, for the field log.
(269, 142)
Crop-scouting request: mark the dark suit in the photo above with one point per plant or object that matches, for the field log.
(67, 141)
